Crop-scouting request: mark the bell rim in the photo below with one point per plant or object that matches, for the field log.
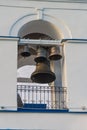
(51, 77)
(40, 59)
(25, 54)
(55, 57)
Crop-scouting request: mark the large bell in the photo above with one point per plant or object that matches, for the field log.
(25, 52)
(54, 53)
(43, 74)
(41, 54)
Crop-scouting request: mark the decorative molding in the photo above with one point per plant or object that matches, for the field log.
(60, 26)
(39, 13)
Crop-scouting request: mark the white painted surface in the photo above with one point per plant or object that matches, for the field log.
(43, 121)
(8, 73)
(76, 63)
(69, 18)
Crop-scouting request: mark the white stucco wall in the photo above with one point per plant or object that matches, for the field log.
(70, 18)
(76, 72)
(43, 121)
(8, 73)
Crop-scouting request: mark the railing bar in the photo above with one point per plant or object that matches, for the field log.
(48, 98)
(32, 95)
(40, 94)
(24, 94)
(36, 95)
(59, 98)
(44, 96)
(28, 95)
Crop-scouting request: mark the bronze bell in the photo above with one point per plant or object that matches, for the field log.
(43, 74)
(54, 53)
(25, 52)
(41, 54)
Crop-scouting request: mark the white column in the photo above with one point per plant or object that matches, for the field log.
(8, 73)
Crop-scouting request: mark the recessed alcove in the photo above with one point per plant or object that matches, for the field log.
(36, 30)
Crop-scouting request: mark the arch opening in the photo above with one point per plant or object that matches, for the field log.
(40, 27)
(37, 29)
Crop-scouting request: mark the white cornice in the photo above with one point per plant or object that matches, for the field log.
(68, 1)
(54, 4)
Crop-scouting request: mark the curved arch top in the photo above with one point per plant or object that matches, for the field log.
(20, 22)
(58, 25)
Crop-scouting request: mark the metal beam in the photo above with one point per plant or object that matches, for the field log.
(50, 42)
(39, 42)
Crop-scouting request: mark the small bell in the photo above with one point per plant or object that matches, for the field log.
(25, 52)
(54, 53)
(41, 54)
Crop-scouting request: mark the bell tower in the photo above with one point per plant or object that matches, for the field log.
(47, 54)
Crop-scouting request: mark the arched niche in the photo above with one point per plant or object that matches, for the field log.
(58, 25)
(47, 28)
(37, 29)
(40, 27)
